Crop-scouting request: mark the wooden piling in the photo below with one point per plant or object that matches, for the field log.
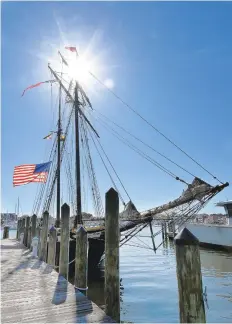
(162, 230)
(25, 239)
(81, 264)
(52, 246)
(112, 236)
(18, 228)
(44, 237)
(29, 237)
(64, 241)
(188, 265)
(174, 230)
(33, 225)
(6, 232)
(22, 228)
(38, 234)
(165, 230)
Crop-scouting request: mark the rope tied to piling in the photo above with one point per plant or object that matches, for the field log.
(56, 267)
(84, 289)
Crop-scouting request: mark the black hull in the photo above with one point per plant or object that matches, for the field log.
(95, 252)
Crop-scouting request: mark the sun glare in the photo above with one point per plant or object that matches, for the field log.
(79, 70)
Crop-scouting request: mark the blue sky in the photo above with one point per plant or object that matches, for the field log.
(170, 61)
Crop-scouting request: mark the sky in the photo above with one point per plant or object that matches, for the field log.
(171, 61)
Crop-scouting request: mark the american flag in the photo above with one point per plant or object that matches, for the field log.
(27, 173)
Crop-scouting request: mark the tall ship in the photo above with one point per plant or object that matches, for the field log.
(72, 165)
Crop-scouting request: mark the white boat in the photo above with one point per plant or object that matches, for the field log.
(214, 235)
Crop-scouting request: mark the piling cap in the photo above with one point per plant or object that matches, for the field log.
(81, 229)
(52, 229)
(111, 193)
(185, 237)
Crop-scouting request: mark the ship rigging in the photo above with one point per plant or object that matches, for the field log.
(75, 131)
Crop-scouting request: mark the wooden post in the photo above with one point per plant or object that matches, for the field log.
(22, 228)
(81, 265)
(18, 228)
(112, 235)
(29, 237)
(173, 228)
(165, 230)
(26, 230)
(6, 232)
(162, 229)
(44, 237)
(52, 246)
(38, 234)
(188, 265)
(33, 226)
(64, 241)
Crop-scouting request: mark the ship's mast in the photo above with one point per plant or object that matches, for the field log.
(78, 217)
(58, 163)
(78, 112)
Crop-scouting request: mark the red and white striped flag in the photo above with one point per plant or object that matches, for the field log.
(27, 173)
(71, 48)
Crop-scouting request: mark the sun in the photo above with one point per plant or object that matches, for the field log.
(79, 70)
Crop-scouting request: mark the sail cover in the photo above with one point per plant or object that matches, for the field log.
(130, 212)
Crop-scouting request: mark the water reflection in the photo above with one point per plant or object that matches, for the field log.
(219, 262)
(150, 292)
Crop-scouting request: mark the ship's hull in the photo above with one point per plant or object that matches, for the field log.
(211, 235)
(96, 248)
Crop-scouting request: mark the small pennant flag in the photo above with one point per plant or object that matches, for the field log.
(70, 48)
(27, 173)
(49, 136)
(37, 84)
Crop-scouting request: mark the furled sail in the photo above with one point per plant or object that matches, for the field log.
(130, 212)
(195, 191)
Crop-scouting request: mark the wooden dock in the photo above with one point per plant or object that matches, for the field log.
(32, 292)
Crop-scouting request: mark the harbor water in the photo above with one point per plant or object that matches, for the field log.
(149, 290)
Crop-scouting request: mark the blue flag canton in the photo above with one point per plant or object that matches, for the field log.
(42, 167)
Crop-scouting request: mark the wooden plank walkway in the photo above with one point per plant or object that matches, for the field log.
(32, 292)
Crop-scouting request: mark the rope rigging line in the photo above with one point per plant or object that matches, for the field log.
(191, 212)
(148, 123)
(69, 177)
(115, 186)
(128, 237)
(92, 176)
(61, 155)
(188, 214)
(45, 185)
(40, 189)
(113, 168)
(144, 155)
(147, 145)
